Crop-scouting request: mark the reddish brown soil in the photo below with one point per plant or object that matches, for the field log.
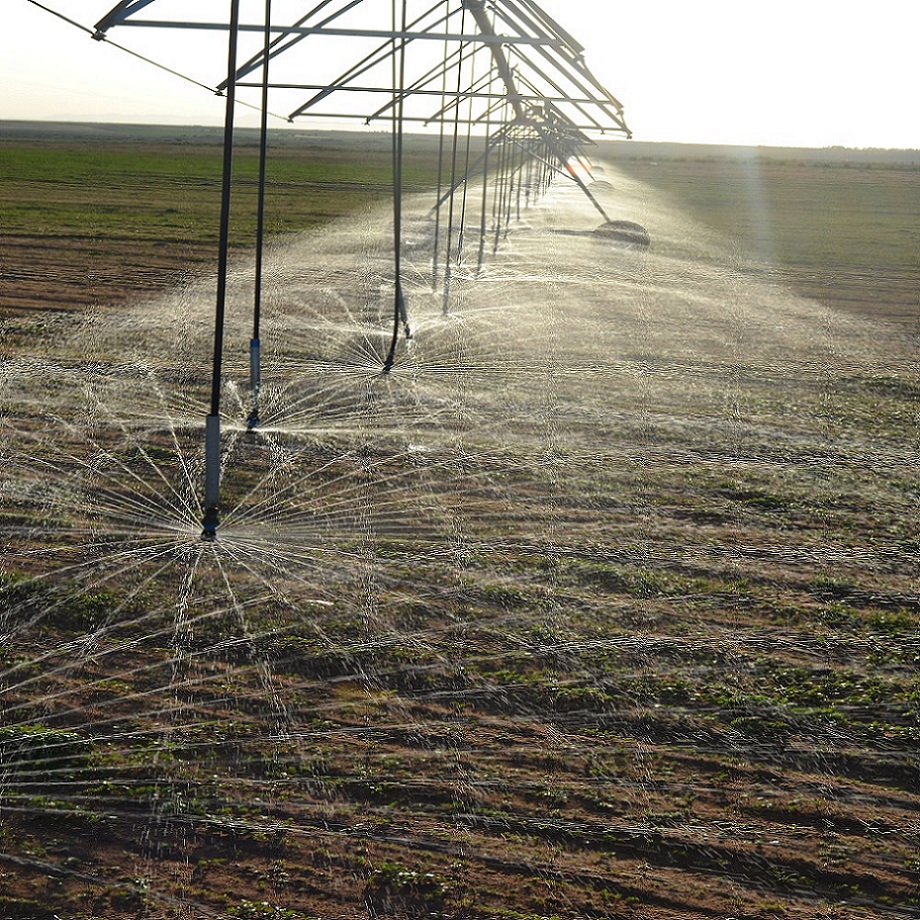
(69, 273)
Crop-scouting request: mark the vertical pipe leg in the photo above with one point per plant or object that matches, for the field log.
(212, 422)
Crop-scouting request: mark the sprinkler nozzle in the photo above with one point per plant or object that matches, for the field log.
(209, 525)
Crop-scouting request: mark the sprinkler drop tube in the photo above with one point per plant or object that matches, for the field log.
(212, 422)
(255, 381)
(255, 374)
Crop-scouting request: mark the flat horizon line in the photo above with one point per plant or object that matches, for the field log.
(364, 129)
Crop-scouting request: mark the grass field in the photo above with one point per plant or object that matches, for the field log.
(604, 605)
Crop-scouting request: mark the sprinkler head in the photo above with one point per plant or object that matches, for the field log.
(209, 525)
(253, 420)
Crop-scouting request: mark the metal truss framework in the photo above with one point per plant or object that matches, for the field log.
(545, 56)
(502, 69)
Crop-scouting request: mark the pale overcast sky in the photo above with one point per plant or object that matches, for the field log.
(810, 73)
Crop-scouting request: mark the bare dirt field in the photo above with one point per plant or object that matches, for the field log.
(603, 604)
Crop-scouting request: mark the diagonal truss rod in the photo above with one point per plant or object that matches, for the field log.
(553, 83)
(377, 56)
(575, 103)
(121, 14)
(288, 37)
(575, 69)
(455, 59)
(568, 48)
(456, 97)
(478, 11)
(342, 32)
(547, 23)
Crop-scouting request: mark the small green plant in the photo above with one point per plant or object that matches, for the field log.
(34, 749)
(397, 888)
(263, 910)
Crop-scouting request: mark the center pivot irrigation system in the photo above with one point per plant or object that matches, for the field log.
(500, 71)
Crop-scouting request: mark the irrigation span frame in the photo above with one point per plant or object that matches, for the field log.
(533, 98)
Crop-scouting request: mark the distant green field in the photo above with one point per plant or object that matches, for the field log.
(89, 220)
(148, 194)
